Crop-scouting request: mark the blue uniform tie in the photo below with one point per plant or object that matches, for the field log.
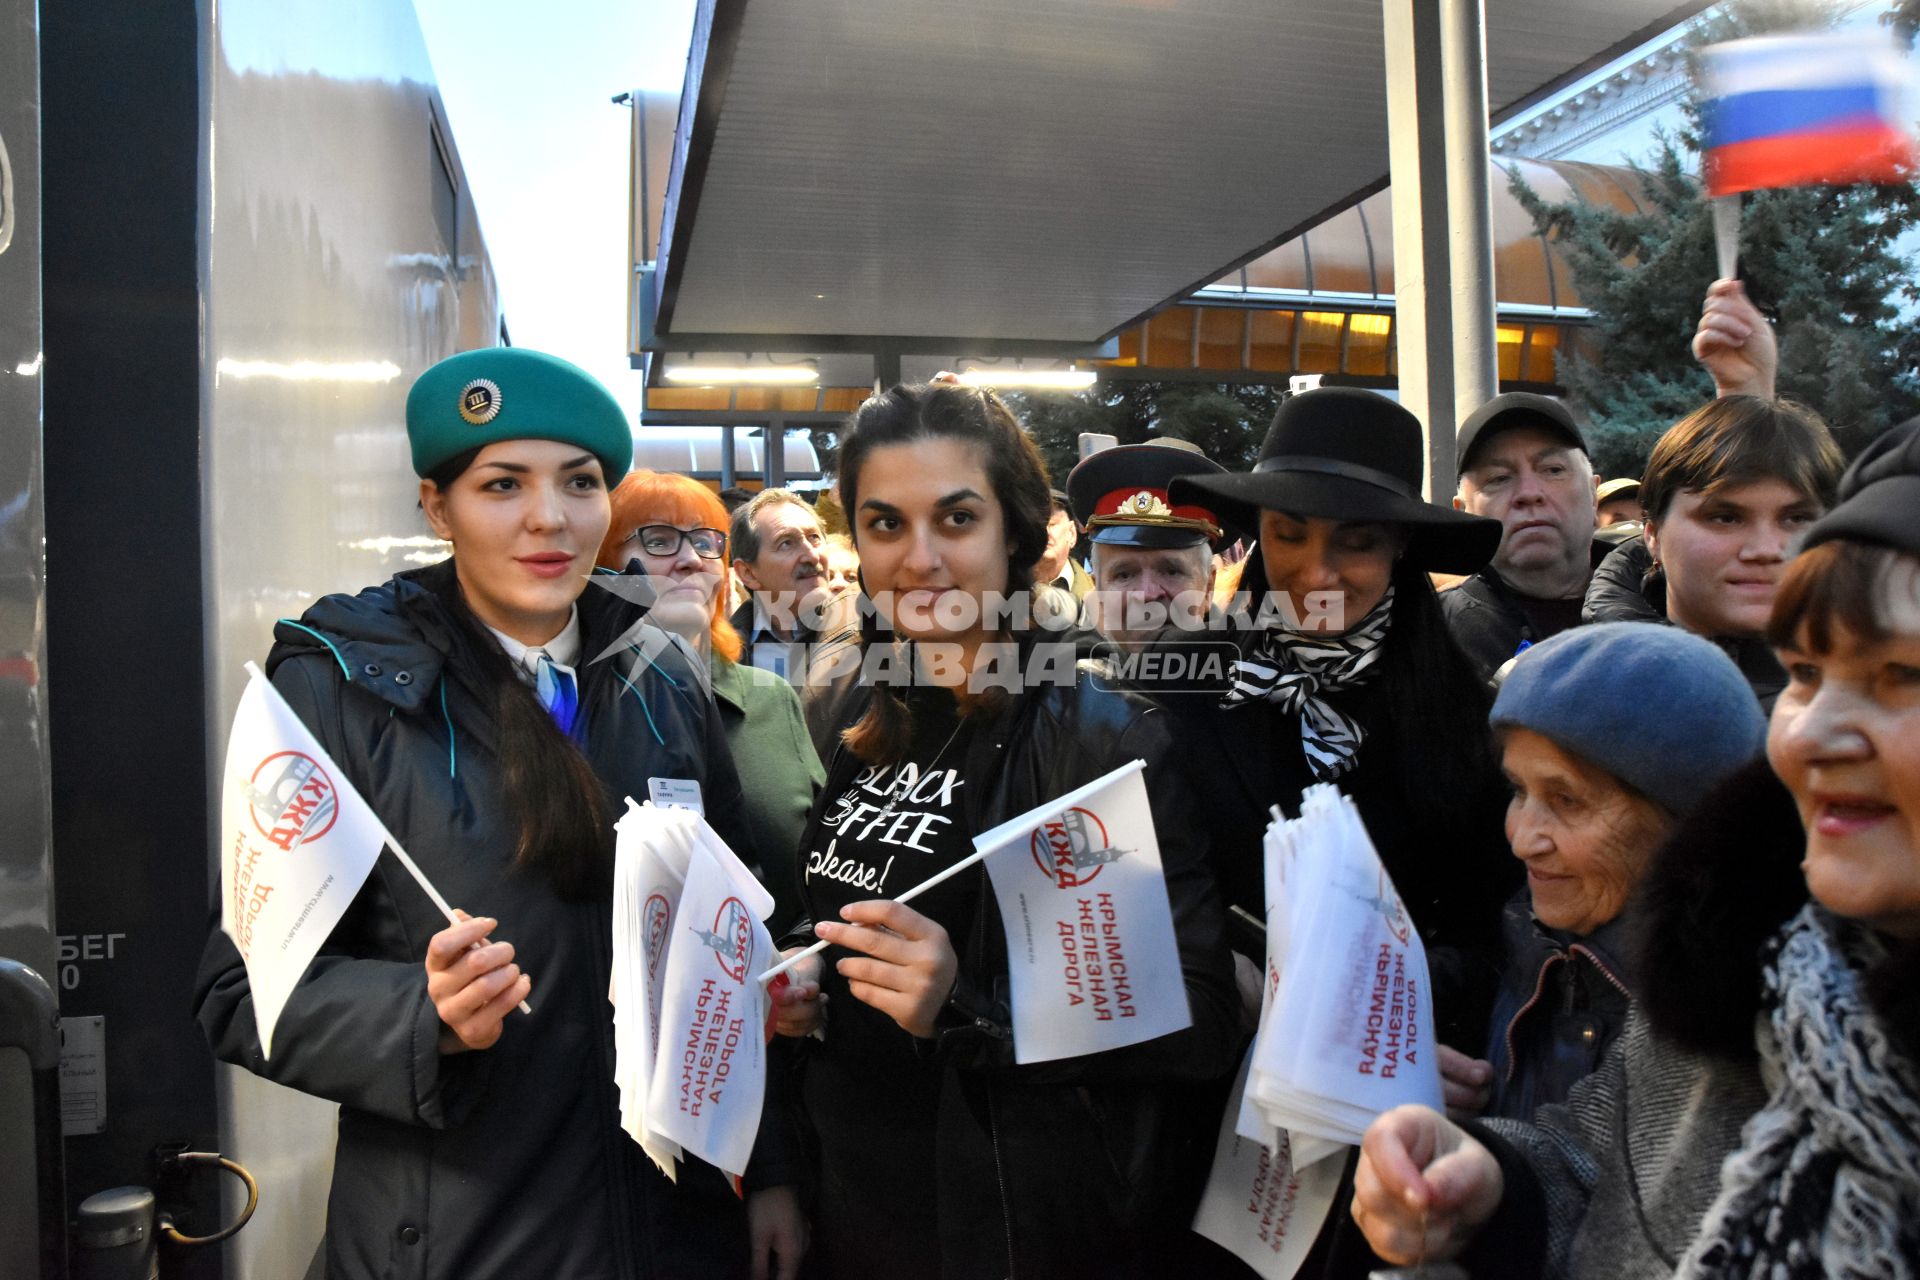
(555, 687)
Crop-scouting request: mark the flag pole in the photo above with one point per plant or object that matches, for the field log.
(938, 878)
(1726, 233)
(984, 843)
(413, 868)
(420, 878)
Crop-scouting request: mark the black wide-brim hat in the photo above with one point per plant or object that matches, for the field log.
(1341, 453)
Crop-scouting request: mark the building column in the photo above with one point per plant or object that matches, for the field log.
(775, 473)
(1442, 219)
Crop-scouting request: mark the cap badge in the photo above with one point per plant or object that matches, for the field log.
(1146, 503)
(480, 401)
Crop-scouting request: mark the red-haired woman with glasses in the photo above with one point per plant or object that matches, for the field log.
(674, 528)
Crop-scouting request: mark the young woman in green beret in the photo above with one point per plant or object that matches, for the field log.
(464, 701)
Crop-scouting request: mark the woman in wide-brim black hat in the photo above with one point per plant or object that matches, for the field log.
(1340, 669)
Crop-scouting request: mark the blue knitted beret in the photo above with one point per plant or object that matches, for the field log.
(1661, 709)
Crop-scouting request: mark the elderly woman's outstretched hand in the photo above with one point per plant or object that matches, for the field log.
(1424, 1186)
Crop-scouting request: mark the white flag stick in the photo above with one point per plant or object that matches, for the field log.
(1726, 233)
(413, 868)
(983, 845)
(972, 859)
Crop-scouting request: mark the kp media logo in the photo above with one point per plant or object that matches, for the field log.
(730, 939)
(1073, 847)
(292, 799)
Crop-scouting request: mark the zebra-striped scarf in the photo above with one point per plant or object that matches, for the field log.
(1293, 669)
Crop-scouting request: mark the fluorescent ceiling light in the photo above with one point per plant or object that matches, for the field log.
(714, 374)
(309, 370)
(1036, 379)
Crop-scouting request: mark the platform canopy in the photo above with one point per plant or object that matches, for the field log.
(1004, 174)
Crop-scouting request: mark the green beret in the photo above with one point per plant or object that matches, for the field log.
(510, 393)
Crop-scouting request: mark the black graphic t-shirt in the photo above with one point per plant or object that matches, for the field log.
(869, 1096)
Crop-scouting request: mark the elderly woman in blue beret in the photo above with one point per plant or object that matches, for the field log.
(466, 703)
(1598, 779)
(1760, 1115)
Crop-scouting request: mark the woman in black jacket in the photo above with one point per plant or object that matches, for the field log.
(1338, 668)
(464, 701)
(938, 1155)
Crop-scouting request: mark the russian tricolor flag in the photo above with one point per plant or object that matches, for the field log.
(1790, 111)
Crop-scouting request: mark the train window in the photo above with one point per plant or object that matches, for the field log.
(445, 193)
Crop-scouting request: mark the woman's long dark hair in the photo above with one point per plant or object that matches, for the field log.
(1436, 702)
(556, 800)
(907, 413)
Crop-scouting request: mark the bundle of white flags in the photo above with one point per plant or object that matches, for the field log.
(1346, 1024)
(1346, 1033)
(689, 1012)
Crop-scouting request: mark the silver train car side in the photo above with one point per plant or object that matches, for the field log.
(232, 235)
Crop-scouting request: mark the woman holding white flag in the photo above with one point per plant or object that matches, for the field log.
(493, 710)
(1342, 671)
(938, 1154)
(1761, 1114)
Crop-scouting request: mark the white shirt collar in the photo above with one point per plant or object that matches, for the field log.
(564, 648)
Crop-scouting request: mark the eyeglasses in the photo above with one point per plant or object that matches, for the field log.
(664, 540)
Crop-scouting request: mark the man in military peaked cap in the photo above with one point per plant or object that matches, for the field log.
(1152, 559)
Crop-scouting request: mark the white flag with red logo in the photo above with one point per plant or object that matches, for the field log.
(1346, 1030)
(1258, 1206)
(651, 854)
(1091, 953)
(709, 1072)
(296, 844)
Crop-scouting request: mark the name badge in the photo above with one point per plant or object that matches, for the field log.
(678, 793)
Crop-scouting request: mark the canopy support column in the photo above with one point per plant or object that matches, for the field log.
(776, 438)
(727, 477)
(1442, 219)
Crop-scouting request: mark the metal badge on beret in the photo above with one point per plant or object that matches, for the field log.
(480, 401)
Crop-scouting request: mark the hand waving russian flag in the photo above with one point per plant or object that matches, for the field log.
(1790, 111)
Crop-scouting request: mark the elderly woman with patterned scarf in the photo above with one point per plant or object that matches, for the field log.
(1761, 1117)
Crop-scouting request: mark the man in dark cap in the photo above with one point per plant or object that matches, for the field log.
(1524, 463)
(1152, 558)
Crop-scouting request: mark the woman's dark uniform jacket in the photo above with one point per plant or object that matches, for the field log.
(1091, 1166)
(1239, 762)
(509, 1162)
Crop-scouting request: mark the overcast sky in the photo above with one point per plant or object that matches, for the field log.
(527, 91)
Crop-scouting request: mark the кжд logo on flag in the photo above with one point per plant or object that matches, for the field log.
(1093, 962)
(1790, 111)
(296, 844)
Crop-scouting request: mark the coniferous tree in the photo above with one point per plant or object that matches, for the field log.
(1226, 422)
(1825, 262)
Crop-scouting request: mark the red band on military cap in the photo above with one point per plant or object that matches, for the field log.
(1142, 505)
